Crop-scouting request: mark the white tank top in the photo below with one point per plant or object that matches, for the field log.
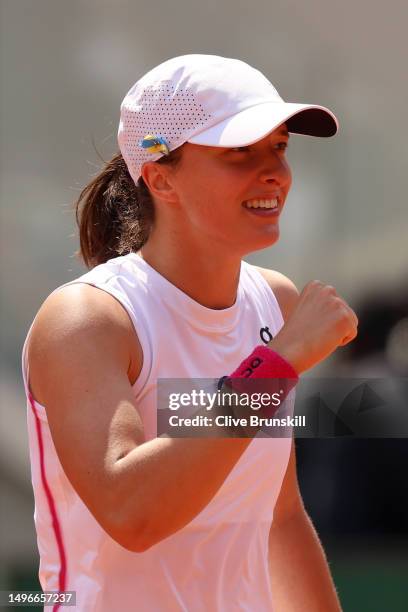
(219, 561)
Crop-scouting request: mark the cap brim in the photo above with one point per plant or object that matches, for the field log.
(253, 124)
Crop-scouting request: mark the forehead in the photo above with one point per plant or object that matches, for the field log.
(280, 132)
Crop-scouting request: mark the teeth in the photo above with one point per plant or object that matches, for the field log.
(261, 203)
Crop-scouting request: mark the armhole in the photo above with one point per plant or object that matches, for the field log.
(24, 363)
(37, 408)
(270, 295)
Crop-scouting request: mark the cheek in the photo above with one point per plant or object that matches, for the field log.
(208, 194)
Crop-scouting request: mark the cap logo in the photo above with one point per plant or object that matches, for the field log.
(155, 144)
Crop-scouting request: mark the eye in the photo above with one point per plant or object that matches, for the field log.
(240, 149)
(282, 146)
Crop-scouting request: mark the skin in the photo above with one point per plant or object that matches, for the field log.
(202, 230)
(141, 493)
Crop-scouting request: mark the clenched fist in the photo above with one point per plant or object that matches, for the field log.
(320, 322)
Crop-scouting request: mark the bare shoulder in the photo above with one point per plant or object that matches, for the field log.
(78, 309)
(284, 289)
(82, 303)
(77, 316)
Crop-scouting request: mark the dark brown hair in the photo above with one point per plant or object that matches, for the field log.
(114, 215)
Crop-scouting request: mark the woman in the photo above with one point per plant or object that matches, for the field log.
(128, 520)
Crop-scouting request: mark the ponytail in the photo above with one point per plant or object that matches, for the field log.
(114, 215)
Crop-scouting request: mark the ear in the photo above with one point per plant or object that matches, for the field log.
(159, 181)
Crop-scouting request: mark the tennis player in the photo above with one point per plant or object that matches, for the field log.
(135, 522)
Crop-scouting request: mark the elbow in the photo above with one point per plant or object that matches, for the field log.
(132, 526)
(132, 544)
(138, 539)
(130, 534)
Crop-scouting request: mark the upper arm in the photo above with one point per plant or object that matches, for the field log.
(289, 502)
(284, 289)
(79, 358)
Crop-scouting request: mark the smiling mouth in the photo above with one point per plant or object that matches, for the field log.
(262, 204)
(263, 207)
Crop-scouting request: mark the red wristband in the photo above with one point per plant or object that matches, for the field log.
(275, 373)
(263, 362)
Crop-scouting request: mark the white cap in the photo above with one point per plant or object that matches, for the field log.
(207, 100)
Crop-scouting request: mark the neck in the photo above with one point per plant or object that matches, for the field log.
(209, 279)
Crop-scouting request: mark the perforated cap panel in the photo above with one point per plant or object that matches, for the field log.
(161, 111)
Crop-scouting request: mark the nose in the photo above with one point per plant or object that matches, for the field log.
(275, 170)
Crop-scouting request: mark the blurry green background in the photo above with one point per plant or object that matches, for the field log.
(65, 67)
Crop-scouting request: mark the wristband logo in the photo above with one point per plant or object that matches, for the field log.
(245, 374)
(252, 366)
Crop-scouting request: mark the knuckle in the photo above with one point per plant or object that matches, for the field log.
(339, 304)
(315, 284)
(343, 317)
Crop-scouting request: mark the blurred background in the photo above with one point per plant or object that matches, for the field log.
(65, 68)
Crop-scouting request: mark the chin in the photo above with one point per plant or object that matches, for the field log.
(267, 239)
(260, 244)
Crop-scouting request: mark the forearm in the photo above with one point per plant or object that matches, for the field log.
(300, 576)
(164, 483)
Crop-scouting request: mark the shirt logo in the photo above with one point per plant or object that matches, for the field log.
(265, 334)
